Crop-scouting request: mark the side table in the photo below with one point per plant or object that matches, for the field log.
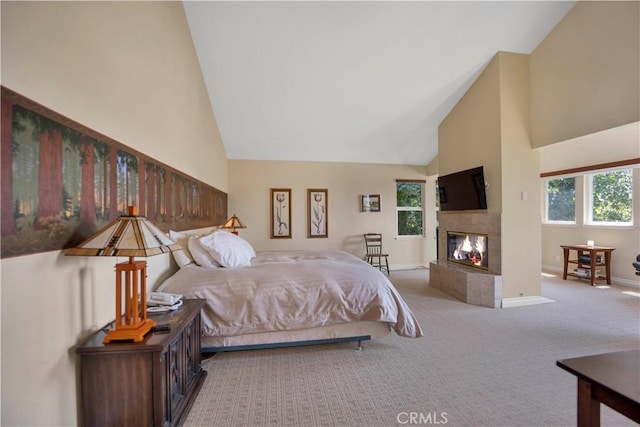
(591, 264)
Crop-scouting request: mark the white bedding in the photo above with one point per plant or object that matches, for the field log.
(283, 291)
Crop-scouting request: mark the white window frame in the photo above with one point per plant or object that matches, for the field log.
(545, 190)
(588, 200)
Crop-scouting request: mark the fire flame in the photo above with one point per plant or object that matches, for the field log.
(473, 252)
(466, 244)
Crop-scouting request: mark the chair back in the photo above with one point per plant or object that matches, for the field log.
(373, 243)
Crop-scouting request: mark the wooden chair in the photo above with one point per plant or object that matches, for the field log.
(374, 254)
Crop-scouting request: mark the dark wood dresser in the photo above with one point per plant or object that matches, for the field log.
(149, 383)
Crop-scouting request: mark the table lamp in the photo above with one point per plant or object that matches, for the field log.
(129, 235)
(234, 223)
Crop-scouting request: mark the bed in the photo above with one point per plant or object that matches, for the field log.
(283, 298)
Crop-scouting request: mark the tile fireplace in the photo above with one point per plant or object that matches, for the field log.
(469, 261)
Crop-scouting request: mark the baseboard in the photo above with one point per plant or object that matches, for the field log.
(626, 283)
(396, 267)
(614, 280)
(523, 301)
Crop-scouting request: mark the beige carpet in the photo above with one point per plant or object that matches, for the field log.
(475, 367)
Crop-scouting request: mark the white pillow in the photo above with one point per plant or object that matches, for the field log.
(228, 249)
(183, 257)
(200, 255)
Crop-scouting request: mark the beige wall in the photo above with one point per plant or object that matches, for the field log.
(470, 134)
(614, 145)
(520, 182)
(128, 70)
(490, 127)
(584, 75)
(250, 182)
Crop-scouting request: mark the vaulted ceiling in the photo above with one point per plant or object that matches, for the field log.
(365, 82)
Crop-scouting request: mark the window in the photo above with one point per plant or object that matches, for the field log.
(409, 202)
(609, 198)
(561, 200)
(605, 196)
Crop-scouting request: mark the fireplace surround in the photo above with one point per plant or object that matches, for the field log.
(455, 271)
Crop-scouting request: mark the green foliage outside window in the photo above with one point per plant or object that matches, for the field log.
(409, 194)
(410, 223)
(409, 204)
(612, 196)
(561, 199)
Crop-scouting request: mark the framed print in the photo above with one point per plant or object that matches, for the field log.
(370, 203)
(317, 213)
(280, 213)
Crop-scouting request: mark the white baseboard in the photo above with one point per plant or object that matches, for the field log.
(523, 301)
(614, 280)
(396, 267)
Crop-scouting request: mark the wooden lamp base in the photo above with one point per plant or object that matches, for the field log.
(131, 288)
(124, 333)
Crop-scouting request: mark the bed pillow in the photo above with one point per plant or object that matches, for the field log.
(182, 256)
(200, 255)
(228, 249)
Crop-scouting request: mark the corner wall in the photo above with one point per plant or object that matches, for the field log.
(127, 70)
(521, 229)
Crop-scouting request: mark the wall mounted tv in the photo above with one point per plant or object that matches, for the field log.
(464, 190)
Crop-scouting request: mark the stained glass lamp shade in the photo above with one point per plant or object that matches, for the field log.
(131, 236)
(234, 223)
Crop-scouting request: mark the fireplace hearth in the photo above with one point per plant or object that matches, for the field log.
(469, 249)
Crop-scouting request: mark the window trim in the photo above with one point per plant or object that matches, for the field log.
(588, 199)
(586, 169)
(422, 183)
(585, 206)
(545, 213)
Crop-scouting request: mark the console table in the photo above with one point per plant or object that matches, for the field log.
(609, 378)
(148, 383)
(593, 262)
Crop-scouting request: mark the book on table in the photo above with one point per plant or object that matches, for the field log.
(585, 272)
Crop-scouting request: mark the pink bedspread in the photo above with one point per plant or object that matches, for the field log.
(293, 290)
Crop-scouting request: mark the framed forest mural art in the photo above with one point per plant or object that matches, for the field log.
(62, 181)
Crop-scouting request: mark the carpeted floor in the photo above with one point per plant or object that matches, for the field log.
(475, 367)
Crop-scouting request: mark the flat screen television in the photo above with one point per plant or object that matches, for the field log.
(461, 191)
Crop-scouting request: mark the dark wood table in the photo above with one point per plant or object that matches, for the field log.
(592, 252)
(609, 378)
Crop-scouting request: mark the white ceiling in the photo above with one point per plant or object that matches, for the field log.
(364, 82)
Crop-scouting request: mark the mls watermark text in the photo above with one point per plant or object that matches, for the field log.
(417, 418)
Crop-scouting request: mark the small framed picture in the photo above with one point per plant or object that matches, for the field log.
(370, 203)
(317, 213)
(280, 213)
